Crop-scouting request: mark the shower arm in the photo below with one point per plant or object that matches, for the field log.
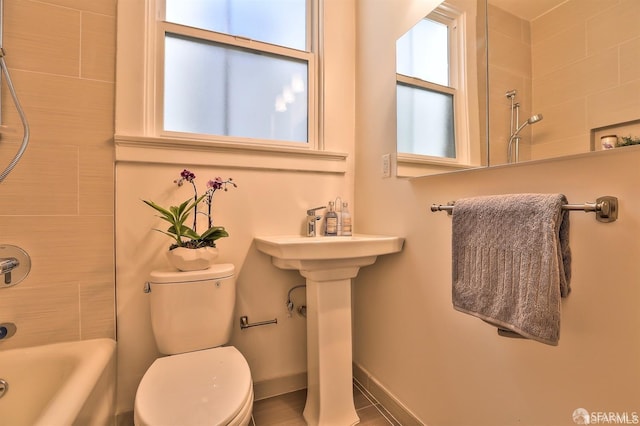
(511, 95)
(514, 137)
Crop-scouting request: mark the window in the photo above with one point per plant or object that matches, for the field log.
(237, 70)
(260, 109)
(430, 82)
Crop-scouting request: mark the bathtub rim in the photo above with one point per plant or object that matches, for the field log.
(93, 356)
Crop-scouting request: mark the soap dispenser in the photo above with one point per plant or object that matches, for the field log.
(346, 220)
(331, 221)
(339, 214)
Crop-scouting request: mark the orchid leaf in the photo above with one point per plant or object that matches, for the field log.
(176, 216)
(214, 233)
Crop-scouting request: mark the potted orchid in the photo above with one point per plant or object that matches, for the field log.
(190, 249)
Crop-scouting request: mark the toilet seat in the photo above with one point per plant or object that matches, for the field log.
(207, 387)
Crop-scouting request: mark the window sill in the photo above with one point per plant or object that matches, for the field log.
(411, 166)
(144, 149)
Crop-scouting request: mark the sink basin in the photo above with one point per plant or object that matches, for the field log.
(294, 247)
(328, 264)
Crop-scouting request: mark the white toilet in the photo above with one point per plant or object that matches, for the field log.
(202, 382)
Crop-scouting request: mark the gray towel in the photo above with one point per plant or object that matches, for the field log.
(512, 262)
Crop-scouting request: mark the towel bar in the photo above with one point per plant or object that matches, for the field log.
(605, 208)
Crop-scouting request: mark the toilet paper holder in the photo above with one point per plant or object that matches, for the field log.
(244, 322)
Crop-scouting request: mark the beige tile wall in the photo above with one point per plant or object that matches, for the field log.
(509, 69)
(58, 204)
(585, 57)
(578, 65)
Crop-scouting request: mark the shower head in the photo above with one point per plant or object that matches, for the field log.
(534, 118)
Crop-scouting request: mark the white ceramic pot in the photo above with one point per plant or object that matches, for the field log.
(186, 259)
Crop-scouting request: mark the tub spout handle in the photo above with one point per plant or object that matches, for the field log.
(4, 387)
(6, 266)
(15, 265)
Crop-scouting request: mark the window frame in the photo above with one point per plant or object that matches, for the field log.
(247, 44)
(412, 164)
(136, 112)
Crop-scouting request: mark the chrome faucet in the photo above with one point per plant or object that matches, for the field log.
(6, 266)
(312, 221)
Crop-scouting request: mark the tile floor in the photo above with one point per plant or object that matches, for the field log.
(287, 410)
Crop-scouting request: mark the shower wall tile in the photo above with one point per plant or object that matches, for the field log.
(561, 50)
(96, 180)
(98, 47)
(42, 315)
(509, 69)
(562, 121)
(96, 233)
(503, 80)
(64, 110)
(598, 79)
(58, 203)
(510, 53)
(617, 105)
(526, 33)
(505, 23)
(38, 185)
(591, 75)
(560, 147)
(43, 38)
(630, 61)
(549, 24)
(500, 107)
(624, 18)
(63, 247)
(97, 309)
(105, 7)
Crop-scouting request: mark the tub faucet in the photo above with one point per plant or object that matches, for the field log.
(312, 221)
(6, 266)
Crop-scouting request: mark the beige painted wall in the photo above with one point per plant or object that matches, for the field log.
(57, 204)
(267, 202)
(449, 368)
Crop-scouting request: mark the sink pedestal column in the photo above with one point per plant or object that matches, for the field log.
(329, 358)
(329, 353)
(328, 264)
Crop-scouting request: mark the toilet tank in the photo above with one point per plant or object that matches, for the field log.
(192, 310)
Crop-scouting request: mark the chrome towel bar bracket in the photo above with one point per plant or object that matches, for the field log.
(605, 208)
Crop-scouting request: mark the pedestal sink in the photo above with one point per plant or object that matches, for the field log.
(328, 264)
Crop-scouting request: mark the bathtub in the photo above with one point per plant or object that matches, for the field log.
(71, 383)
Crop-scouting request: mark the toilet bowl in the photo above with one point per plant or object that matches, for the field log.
(201, 382)
(208, 387)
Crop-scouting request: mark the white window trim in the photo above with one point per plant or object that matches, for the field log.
(138, 138)
(415, 164)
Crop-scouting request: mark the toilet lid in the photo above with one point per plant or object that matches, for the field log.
(207, 387)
